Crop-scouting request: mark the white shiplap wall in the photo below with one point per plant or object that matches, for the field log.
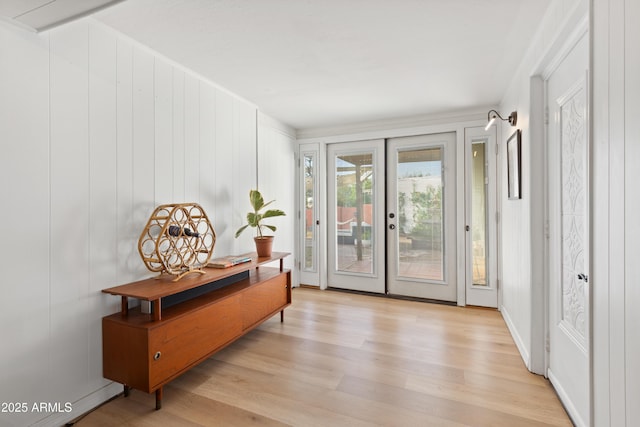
(277, 179)
(95, 132)
(615, 206)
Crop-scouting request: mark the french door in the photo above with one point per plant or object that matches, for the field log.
(391, 213)
(356, 211)
(421, 250)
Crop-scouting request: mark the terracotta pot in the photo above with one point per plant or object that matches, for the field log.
(263, 245)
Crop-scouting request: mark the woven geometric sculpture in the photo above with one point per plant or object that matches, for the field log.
(178, 239)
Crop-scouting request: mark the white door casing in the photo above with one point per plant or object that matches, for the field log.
(569, 305)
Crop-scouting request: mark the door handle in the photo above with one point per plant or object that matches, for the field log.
(392, 226)
(583, 277)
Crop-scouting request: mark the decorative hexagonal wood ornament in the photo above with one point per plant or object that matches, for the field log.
(178, 239)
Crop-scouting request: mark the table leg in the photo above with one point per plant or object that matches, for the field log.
(159, 399)
(124, 306)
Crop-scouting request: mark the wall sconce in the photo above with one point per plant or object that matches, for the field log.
(513, 118)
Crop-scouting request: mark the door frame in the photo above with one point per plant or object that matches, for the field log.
(554, 222)
(540, 266)
(539, 105)
(393, 129)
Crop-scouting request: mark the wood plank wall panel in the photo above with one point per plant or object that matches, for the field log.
(615, 205)
(143, 179)
(277, 178)
(600, 73)
(178, 130)
(97, 131)
(103, 213)
(244, 162)
(616, 201)
(632, 207)
(69, 127)
(126, 231)
(163, 132)
(224, 176)
(24, 213)
(207, 148)
(192, 139)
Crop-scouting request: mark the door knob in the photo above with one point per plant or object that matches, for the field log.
(392, 226)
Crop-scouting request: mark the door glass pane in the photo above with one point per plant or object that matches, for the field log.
(420, 214)
(354, 176)
(310, 220)
(479, 213)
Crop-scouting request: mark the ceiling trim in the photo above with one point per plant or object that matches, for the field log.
(77, 16)
(51, 14)
(473, 115)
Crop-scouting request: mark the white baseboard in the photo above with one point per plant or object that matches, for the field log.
(83, 405)
(566, 401)
(522, 348)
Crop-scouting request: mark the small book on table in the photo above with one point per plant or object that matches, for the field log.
(228, 261)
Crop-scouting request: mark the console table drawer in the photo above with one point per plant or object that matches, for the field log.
(176, 345)
(260, 301)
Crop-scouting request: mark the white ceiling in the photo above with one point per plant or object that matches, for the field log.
(314, 63)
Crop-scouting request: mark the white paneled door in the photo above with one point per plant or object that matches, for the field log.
(569, 302)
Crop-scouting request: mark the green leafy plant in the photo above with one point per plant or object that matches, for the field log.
(254, 219)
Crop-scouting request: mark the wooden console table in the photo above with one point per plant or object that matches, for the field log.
(146, 351)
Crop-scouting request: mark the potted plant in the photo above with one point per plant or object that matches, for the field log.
(254, 219)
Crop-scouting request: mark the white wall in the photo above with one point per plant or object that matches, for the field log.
(277, 181)
(96, 131)
(523, 231)
(615, 207)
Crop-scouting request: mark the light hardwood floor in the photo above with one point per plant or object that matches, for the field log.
(342, 359)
